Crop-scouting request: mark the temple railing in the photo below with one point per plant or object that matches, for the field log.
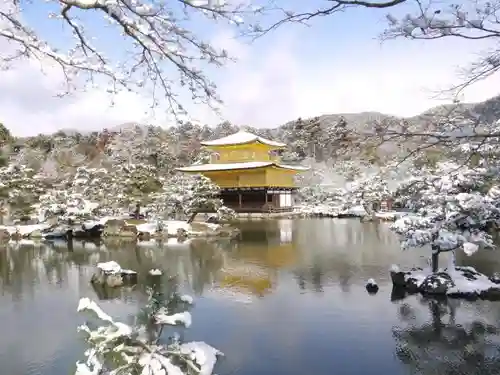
(255, 209)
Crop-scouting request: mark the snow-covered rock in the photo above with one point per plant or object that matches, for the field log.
(371, 286)
(113, 275)
(460, 282)
(166, 229)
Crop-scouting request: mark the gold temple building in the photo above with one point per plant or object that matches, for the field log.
(249, 171)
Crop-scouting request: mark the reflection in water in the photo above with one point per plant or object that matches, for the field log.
(445, 343)
(306, 308)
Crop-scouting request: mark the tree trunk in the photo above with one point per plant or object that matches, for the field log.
(435, 253)
(435, 261)
(192, 217)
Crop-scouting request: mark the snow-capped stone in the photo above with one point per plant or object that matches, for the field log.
(371, 286)
(110, 267)
(460, 282)
(113, 275)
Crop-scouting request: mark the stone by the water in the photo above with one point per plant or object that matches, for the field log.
(461, 282)
(155, 272)
(112, 275)
(371, 286)
(86, 233)
(437, 283)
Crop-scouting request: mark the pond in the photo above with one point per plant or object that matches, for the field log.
(287, 298)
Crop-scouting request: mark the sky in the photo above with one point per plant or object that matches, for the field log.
(336, 64)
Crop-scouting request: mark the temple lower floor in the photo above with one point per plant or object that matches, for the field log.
(259, 199)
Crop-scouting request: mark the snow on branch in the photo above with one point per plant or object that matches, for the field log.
(119, 348)
(433, 20)
(307, 13)
(159, 39)
(428, 20)
(477, 20)
(448, 132)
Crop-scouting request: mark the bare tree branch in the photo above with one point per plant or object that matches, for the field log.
(159, 41)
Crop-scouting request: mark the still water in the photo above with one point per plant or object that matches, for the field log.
(287, 298)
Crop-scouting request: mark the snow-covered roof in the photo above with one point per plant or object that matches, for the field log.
(231, 166)
(240, 138)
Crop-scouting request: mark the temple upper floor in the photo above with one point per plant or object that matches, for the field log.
(244, 154)
(243, 147)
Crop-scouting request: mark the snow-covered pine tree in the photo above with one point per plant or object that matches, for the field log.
(454, 207)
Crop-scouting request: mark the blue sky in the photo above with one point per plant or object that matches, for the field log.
(336, 65)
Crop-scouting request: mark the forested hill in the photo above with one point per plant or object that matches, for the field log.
(316, 137)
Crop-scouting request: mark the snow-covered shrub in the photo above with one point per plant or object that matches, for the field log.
(203, 195)
(118, 348)
(20, 189)
(322, 195)
(189, 195)
(368, 191)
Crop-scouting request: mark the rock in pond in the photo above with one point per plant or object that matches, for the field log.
(88, 230)
(112, 275)
(459, 282)
(145, 230)
(371, 286)
(57, 232)
(155, 272)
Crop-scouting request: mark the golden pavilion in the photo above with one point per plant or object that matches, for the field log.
(249, 171)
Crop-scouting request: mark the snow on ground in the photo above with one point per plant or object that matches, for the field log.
(326, 210)
(170, 229)
(456, 282)
(318, 210)
(464, 285)
(357, 211)
(389, 215)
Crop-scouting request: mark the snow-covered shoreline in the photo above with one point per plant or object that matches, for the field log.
(326, 211)
(116, 227)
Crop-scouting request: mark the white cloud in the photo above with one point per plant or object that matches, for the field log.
(272, 82)
(28, 104)
(397, 78)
